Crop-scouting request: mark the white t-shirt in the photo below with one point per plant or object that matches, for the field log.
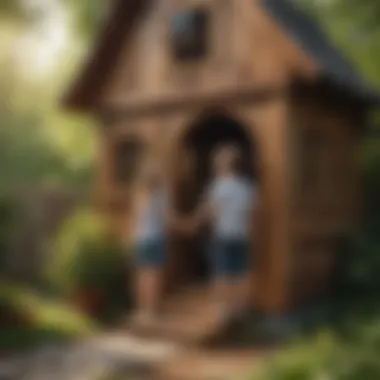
(232, 199)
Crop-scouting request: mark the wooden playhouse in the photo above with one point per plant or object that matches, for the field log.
(169, 79)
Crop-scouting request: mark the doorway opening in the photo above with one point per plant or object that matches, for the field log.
(198, 145)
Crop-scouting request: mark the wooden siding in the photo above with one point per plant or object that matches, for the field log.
(320, 216)
(247, 51)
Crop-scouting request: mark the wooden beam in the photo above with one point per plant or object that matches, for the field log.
(272, 121)
(175, 102)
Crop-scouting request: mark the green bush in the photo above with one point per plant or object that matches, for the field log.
(361, 274)
(327, 357)
(371, 185)
(358, 264)
(360, 254)
(86, 261)
(29, 319)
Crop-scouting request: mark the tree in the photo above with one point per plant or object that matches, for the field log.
(355, 27)
(86, 14)
(39, 143)
(11, 9)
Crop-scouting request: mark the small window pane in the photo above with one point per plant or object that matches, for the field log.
(189, 34)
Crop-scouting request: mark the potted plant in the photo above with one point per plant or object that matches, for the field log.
(87, 262)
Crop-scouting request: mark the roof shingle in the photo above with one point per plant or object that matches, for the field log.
(316, 43)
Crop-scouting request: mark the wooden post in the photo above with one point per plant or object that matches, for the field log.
(275, 184)
(104, 165)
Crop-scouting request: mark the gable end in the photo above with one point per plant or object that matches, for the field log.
(86, 92)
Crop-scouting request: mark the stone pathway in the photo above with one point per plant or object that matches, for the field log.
(112, 357)
(120, 356)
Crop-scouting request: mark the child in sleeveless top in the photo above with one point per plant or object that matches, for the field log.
(149, 241)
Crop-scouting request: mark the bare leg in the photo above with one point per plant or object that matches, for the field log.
(222, 294)
(241, 293)
(148, 291)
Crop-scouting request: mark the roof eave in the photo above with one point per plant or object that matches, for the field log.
(85, 93)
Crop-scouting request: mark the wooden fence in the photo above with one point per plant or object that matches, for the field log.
(39, 214)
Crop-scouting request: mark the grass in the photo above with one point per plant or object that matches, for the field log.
(42, 320)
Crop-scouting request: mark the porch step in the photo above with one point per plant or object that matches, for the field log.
(188, 300)
(187, 317)
(206, 365)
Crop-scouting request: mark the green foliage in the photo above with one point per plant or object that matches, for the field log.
(84, 259)
(371, 185)
(82, 254)
(7, 228)
(12, 10)
(27, 319)
(328, 357)
(304, 361)
(361, 266)
(361, 252)
(39, 143)
(86, 14)
(354, 27)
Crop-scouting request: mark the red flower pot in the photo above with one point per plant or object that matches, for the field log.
(89, 301)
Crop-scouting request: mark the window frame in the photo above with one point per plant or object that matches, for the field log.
(200, 46)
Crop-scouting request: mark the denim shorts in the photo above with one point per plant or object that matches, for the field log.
(150, 253)
(230, 257)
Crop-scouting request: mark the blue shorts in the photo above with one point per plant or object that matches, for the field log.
(150, 253)
(230, 257)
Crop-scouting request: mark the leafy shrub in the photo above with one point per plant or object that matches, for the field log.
(363, 265)
(327, 357)
(86, 262)
(29, 319)
(360, 254)
(358, 266)
(371, 185)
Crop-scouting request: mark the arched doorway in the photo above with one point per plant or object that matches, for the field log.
(195, 149)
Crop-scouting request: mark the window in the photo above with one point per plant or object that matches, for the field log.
(189, 34)
(127, 158)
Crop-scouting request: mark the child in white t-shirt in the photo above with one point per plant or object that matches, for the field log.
(229, 204)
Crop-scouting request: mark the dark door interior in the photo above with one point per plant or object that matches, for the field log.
(199, 145)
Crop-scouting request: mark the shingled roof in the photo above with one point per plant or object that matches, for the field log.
(317, 44)
(306, 32)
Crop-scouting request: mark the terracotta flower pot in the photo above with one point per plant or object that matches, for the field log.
(89, 301)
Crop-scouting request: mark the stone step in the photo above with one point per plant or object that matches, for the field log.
(188, 301)
(187, 317)
(185, 330)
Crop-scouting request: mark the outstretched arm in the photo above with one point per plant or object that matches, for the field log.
(179, 223)
(205, 212)
(190, 224)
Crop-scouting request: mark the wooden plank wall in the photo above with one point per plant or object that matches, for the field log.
(321, 215)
